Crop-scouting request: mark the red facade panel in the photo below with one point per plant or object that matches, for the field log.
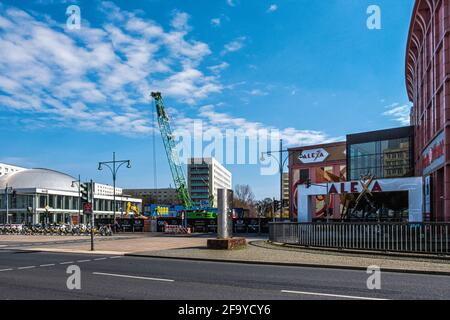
(427, 81)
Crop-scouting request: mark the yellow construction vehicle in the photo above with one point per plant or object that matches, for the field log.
(132, 208)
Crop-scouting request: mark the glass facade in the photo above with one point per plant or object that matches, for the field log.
(384, 159)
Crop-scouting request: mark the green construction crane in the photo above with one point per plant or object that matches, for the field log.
(172, 156)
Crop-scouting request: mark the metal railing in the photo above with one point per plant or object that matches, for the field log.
(388, 237)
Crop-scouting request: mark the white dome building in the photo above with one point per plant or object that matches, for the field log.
(49, 196)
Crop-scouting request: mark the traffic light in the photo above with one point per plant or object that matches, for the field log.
(276, 205)
(84, 192)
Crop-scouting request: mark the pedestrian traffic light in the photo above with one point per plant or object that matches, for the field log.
(84, 192)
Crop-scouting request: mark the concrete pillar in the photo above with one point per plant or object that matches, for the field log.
(224, 207)
(35, 218)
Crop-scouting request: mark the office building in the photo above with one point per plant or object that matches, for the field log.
(205, 177)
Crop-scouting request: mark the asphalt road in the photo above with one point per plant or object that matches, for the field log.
(39, 275)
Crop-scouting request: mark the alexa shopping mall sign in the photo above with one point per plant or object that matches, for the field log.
(354, 187)
(313, 155)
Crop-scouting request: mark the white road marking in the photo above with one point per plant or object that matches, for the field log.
(98, 259)
(67, 262)
(115, 257)
(9, 269)
(80, 261)
(47, 265)
(330, 295)
(28, 267)
(132, 277)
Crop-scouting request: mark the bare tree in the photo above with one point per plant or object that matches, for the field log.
(244, 196)
(265, 207)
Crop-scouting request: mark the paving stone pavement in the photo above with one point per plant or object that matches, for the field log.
(262, 251)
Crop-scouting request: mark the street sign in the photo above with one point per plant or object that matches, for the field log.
(87, 208)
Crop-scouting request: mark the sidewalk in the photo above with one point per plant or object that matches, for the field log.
(261, 252)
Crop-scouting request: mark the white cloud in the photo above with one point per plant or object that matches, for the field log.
(94, 78)
(216, 22)
(258, 92)
(272, 8)
(235, 45)
(399, 113)
(219, 67)
(180, 21)
(231, 3)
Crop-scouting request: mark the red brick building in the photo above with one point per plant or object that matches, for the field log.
(320, 163)
(428, 85)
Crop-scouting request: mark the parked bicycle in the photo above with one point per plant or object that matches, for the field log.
(54, 230)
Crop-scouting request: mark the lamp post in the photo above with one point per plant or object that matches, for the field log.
(281, 162)
(114, 166)
(79, 196)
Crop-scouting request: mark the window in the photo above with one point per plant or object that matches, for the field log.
(383, 159)
(304, 175)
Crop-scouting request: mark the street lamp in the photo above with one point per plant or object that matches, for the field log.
(281, 162)
(114, 167)
(79, 196)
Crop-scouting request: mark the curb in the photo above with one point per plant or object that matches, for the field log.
(385, 254)
(56, 250)
(288, 264)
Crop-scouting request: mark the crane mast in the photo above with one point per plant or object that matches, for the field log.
(172, 155)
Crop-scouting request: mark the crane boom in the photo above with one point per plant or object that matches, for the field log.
(172, 155)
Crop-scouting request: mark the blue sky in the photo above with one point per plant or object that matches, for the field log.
(311, 69)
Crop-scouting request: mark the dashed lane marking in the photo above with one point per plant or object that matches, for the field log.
(81, 261)
(9, 269)
(28, 267)
(67, 262)
(132, 277)
(47, 265)
(99, 259)
(115, 257)
(330, 295)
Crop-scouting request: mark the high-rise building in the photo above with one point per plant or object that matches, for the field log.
(6, 169)
(286, 194)
(205, 177)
